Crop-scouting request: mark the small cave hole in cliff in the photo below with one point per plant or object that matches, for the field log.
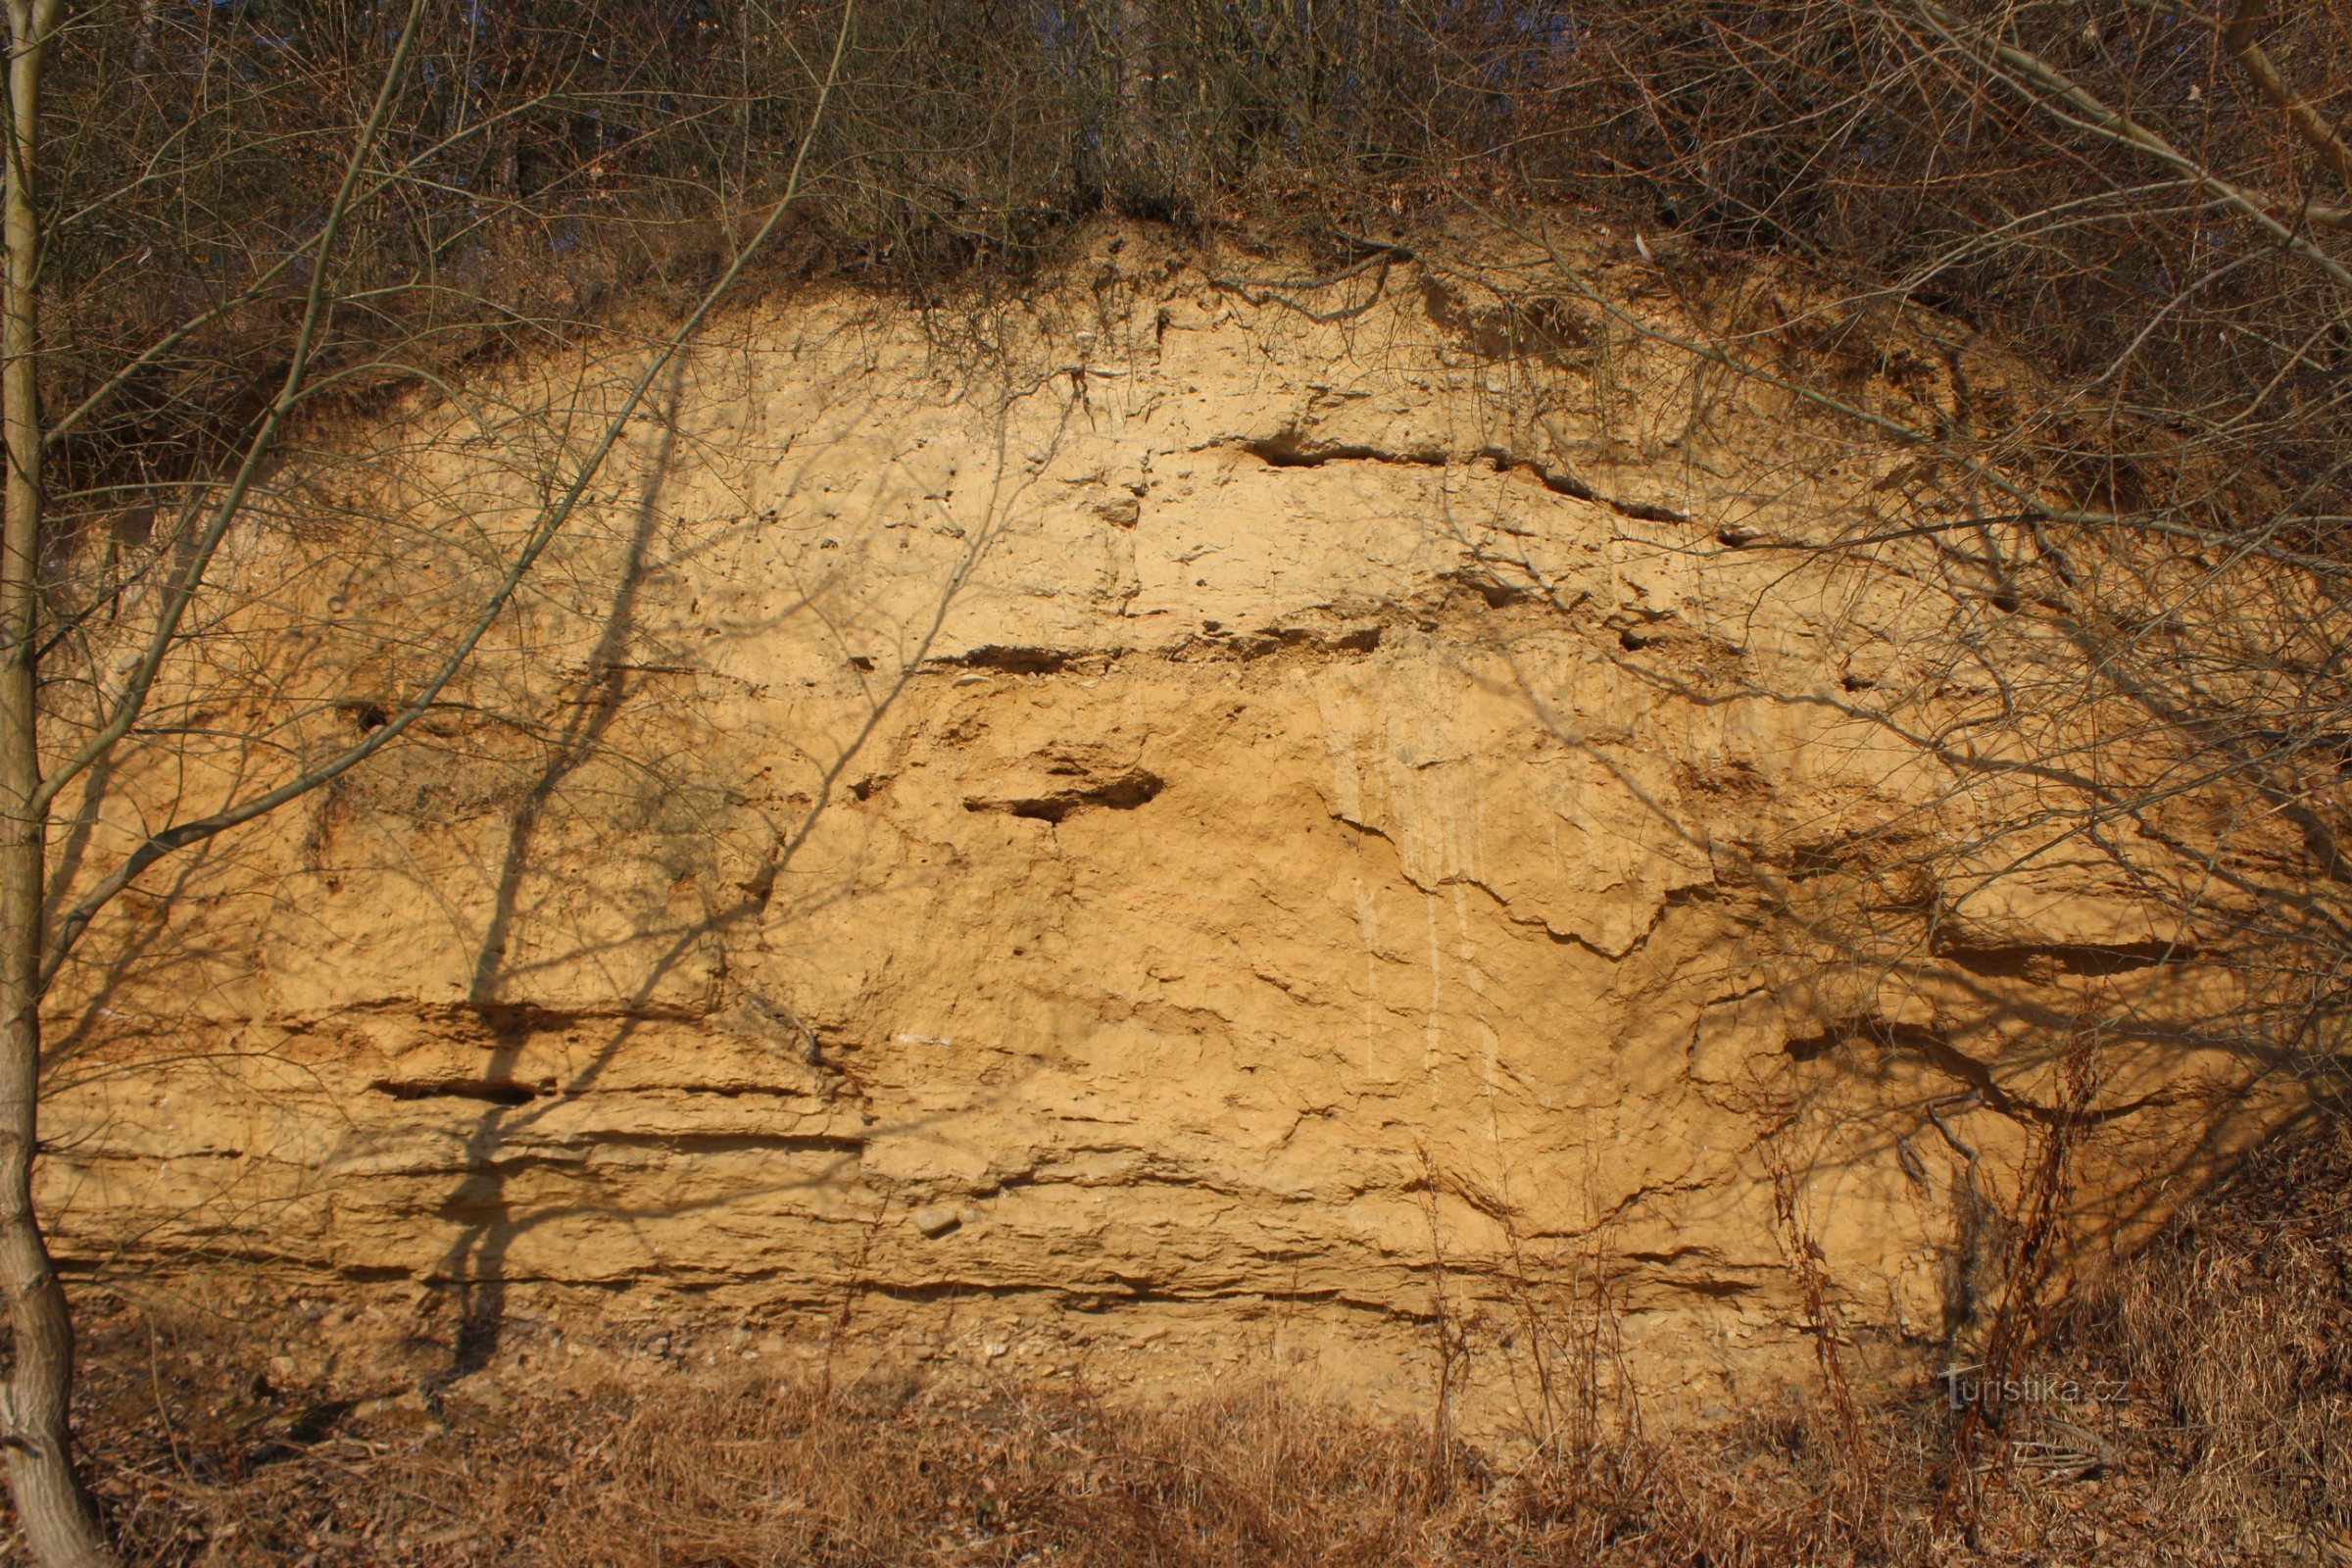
(490, 1092)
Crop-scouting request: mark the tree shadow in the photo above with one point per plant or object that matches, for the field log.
(1909, 1008)
(491, 1218)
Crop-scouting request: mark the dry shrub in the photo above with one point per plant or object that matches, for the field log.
(2240, 1320)
(201, 1460)
(765, 1472)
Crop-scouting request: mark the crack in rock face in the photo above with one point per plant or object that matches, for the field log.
(931, 841)
(1120, 792)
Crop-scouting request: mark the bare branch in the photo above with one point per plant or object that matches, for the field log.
(543, 532)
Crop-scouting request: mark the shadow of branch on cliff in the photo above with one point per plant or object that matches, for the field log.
(491, 1214)
(1894, 916)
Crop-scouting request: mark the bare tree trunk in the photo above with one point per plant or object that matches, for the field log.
(60, 1524)
(2309, 123)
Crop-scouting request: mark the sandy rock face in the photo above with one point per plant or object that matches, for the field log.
(1198, 827)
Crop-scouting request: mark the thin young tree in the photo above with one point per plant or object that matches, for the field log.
(222, 492)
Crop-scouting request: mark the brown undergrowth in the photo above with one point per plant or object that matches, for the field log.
(2233, 1331)
(2236, 1328)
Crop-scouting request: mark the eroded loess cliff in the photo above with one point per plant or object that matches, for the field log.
(1191, 812)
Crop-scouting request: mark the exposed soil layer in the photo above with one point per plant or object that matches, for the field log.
(1231, 835)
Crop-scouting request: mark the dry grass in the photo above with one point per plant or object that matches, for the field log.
(2239, 1322)
(2233, 1329)
(885, 1472)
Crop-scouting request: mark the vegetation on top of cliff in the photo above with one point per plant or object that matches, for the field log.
(2147, 195)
